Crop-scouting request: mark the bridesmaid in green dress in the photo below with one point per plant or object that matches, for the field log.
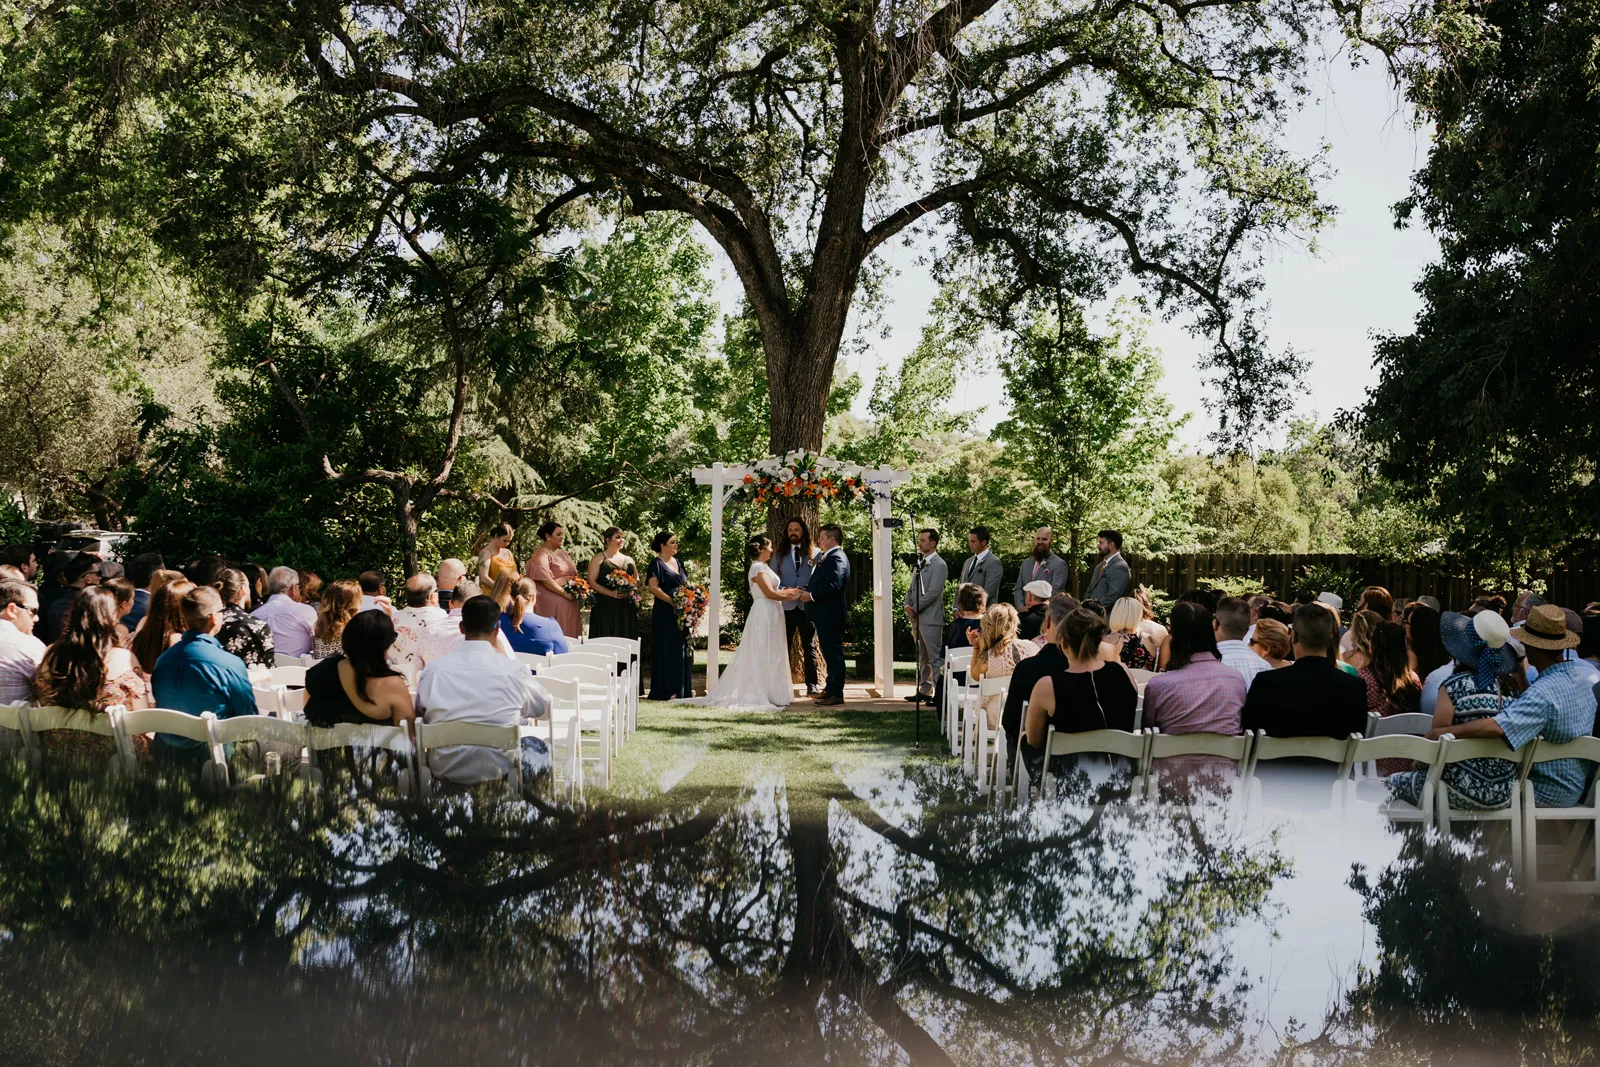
(613, 614)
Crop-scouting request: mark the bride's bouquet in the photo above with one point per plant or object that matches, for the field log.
(621, 583)
(691, 602)
(579, 591)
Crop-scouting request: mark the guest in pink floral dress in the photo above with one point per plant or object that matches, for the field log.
(550, 567)
(997, 652)
(86, 670)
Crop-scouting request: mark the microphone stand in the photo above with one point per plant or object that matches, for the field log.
(916, 577)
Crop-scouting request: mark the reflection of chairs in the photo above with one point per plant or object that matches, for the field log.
(1329, 749)
(505, 739)
(1233, 747)
(1455, 750)
(11, 720)
(258, 728)
(956, 661)
(1134, 746)
(1586, 815)
(393, 740)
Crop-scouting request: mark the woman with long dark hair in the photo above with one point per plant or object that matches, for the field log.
(670, 663)
(357, 684)
(163, 623)
(1197, 693)
(1426, 653)
(1091, 694)
(614, 614)
(1392, 686)
(88, 671)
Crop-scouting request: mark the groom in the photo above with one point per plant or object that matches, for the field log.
(824, 600)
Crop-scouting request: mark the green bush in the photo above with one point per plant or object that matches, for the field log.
(15, 527)
(1320, 578)
(1235, 585)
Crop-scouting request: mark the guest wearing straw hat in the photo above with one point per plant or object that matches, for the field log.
(1559, 706)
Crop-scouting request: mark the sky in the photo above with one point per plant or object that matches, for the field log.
(1326, 304)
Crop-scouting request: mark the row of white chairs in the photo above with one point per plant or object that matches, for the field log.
(407, 746)
(1247, 751)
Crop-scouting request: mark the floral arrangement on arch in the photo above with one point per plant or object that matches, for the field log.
(802, 475)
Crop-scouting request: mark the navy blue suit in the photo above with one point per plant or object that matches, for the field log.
(826, 610)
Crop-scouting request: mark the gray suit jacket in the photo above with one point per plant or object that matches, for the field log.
(925, 595)
(1109, 581)
(790, 576)
(1054, 569)
(986, 574)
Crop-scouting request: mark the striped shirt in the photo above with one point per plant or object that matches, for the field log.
(1204, 697)
(20, 654)
(1237, 655)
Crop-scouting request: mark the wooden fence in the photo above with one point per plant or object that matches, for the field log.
(1570, 583)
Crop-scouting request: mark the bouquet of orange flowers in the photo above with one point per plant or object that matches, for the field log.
(579, 590)
(691, 602)
(803, 475)
(621, 582)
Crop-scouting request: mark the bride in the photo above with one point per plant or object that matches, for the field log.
(758, 677)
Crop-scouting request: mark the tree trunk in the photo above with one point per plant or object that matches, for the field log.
(408, 519)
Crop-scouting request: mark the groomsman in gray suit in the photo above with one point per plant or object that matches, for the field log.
(982, 568)
(924, 605)
(1043, 566)
(1109, 580)
(795, 560)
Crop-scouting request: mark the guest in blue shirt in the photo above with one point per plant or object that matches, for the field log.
(1559, 706)
(531, 632)
(197, 674)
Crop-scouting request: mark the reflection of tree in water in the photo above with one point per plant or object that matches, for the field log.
(692, 930)
(1469, 970)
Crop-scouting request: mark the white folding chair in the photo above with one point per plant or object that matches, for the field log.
(395, 740)
(1459, 749)
(252, 728)
(11, 719)
(282, 660)
(984, 744)
(1330, 749)
(1234, 747)
(626, 664)
(288, 675)
(131, 724)
(956, 660)
(1411, 723)
(593, 706)
(36, 721)
(531, 660)
(1140, 676)
(1134, 746)
(505, 739)
(1411, 747)
(280, 701)
(1586, 815)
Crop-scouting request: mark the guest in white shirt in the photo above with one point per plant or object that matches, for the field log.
(292, 622)
(422, 610)
(475, 683)
(374, 594)
(442, 636)
(20, 651)
(1231, 623)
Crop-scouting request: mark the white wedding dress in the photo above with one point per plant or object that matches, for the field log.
(758, 677)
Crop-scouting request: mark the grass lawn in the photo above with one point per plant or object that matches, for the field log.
(712, 755)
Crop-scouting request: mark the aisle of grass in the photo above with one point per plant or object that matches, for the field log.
(711, 754)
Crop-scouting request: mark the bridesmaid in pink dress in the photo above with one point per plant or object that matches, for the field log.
(549, 567)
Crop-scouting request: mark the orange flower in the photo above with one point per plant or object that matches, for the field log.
(748, 478)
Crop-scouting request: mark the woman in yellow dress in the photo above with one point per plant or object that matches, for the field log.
(495, 558)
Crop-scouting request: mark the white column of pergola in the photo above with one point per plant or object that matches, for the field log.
(724, 478)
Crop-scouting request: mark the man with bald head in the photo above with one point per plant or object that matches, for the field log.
(1043, 566)
(451, 571)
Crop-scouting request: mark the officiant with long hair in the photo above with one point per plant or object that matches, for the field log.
(793, 561)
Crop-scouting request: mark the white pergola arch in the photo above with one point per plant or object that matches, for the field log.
(724, 479)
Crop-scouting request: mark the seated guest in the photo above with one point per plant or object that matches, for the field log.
(997, 652)
(123, 591)
(1136, 646)
(962, 632)
(374, 593)
(474, 683)
(79, 572)
(1090, 694)
(1355, 651)
(357, 684)
(291, 619)
(422, 610)
(20, 651)
(1271, 642)
(1559, 706)
(1311, 697)
(443, 636)
(1426, 654)
(197, 674)
(1035, 595)
(525, 629)
(23, 559)
(1232, 622)
(141, 569)
(1049, 658)
(311, 584)
(340, 602)
(255, 580)
(242, 633)
(1256, 602)
(1376, 599)
(1197, 693)
(1278, 612)
(1478, 687)
(163, 624)
(451, 571)
(87, 671)
(1392, 686)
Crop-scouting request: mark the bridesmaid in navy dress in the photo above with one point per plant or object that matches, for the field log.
(670, 659)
